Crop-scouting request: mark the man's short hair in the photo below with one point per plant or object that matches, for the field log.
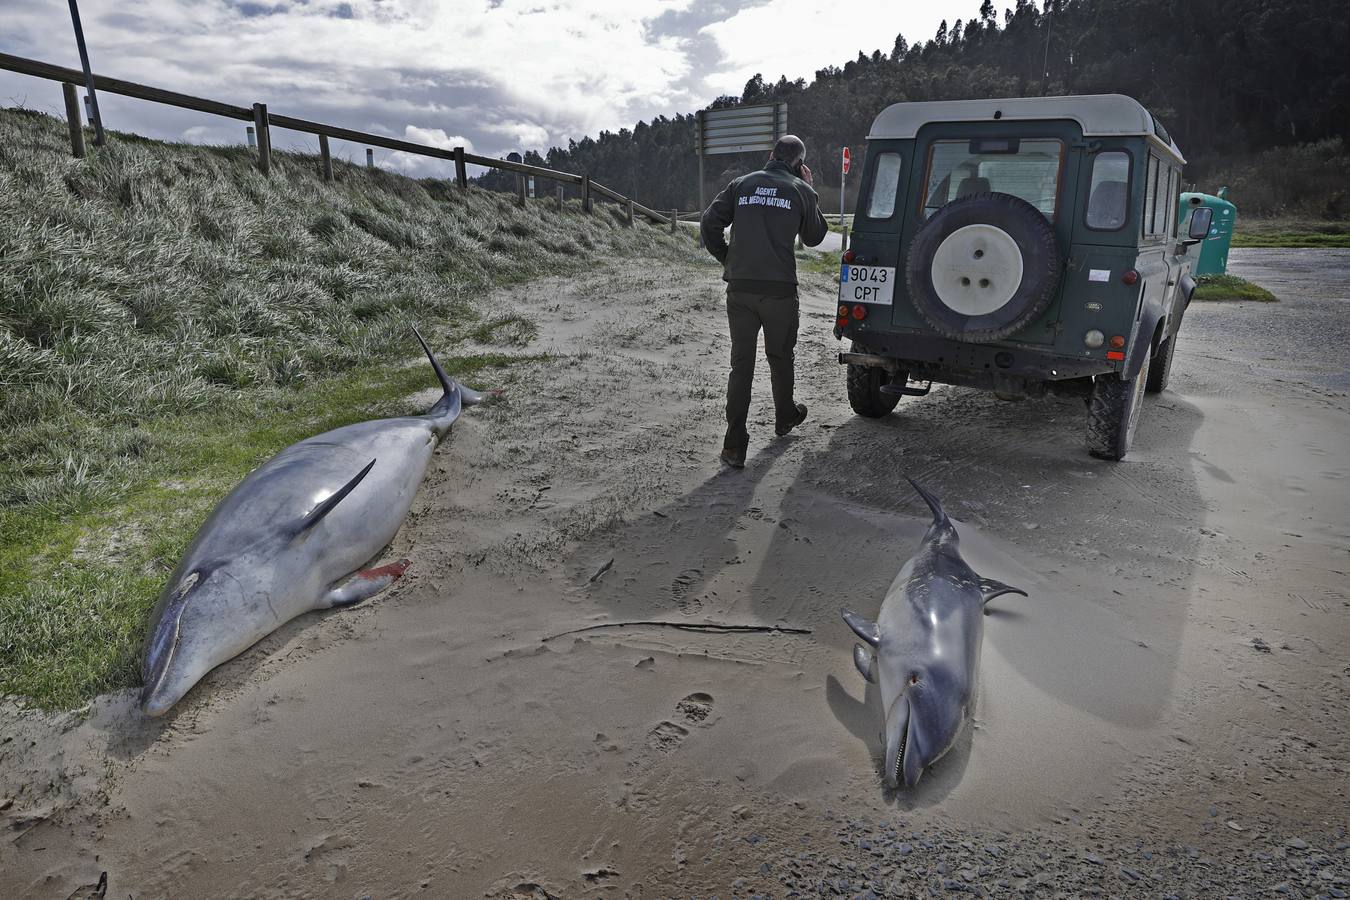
(790, 149)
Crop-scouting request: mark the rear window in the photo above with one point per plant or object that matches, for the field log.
(885, 186)
(1026, 168)
(1109, 196)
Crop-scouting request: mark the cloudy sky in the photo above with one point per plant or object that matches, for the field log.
(492, 75)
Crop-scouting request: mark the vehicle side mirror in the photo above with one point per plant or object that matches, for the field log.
(1201, 218)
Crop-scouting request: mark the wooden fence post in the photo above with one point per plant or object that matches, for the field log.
(674, 220)
(520, 189)
(461, 173)
(327, 158)
(561, 192)
(73, 119)
(585, 193)
(260, 124)
(628, 211)
(370, 158)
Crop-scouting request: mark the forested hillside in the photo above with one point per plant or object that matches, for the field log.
(1254, 91)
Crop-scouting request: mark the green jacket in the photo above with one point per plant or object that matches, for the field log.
(766, 210)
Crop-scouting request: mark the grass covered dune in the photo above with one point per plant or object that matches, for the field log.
(169, 318)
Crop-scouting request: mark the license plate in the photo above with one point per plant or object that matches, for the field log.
(866, 284)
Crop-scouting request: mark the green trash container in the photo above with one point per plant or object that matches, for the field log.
(1214, 248)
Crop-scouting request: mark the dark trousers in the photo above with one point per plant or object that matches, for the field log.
(746, 314)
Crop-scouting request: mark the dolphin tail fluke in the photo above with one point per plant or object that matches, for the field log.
(317, 513)
(939, 516)
(865, 662)
(861, 627)
(991, 589)
(456, 395)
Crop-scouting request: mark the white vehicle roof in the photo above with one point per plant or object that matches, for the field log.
(1099, 115)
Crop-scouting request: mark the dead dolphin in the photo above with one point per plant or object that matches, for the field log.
(289, 539)
(927, 644)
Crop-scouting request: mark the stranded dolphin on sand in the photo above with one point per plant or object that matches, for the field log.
(289, 539)
(927, 642)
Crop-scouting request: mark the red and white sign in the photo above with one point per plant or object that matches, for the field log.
(847, 158)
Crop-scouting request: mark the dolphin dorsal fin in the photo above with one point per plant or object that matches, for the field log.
(939, 516)
(991, 589)
(861, 627)
(314, 516)
(865, 663)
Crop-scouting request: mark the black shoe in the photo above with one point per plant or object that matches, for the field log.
(733, 457)
(783, 428)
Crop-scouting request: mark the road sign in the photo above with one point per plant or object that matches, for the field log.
(739, 129)
(848, 157)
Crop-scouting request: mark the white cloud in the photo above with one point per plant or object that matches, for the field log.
(436, 137)
(797, 37)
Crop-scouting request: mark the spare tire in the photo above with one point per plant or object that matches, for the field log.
(983, 267)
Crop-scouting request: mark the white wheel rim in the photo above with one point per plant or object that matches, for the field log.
(977, 269)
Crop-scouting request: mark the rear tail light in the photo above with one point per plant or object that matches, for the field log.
(859, 312)
(1130, 276)
(1117, 341)
(842, 321)
(848, 256)
(843, 309)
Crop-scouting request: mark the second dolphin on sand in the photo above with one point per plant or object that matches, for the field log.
(926, 642)
(290, 538)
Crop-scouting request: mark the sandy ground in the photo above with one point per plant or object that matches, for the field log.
(1166, 714)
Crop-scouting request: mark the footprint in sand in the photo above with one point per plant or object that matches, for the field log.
(693, 710)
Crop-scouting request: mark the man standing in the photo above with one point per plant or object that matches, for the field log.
(766, 210)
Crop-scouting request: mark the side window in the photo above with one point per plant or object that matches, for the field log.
(1173, 198)
(1150, 194)
(1109, 194)
(885, 186)
(1164, 199)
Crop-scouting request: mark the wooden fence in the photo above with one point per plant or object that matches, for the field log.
(263, 121)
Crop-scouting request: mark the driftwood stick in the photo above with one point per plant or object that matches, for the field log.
(688, 626)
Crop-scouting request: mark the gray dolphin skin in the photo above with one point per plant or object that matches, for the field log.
(926, 641)
(291, 538)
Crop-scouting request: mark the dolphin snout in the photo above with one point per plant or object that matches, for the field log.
(897, 744)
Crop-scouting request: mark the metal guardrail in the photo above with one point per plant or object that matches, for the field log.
(263, 122)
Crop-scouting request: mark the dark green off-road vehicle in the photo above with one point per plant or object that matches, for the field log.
(1018, 245)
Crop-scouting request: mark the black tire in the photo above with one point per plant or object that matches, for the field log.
(1113, 413)
(864, 391)
(1160, 367)
(1041, 266)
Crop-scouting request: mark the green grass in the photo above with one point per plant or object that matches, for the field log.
(1291, 233)
(818, 262)
(169, 318)
(1230, 287)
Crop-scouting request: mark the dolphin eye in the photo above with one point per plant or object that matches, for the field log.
(914, 678)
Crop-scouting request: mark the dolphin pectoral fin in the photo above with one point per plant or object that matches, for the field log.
(861, 627)
(991, 589)
(315, 516)
(364, 584)
(865, 663)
